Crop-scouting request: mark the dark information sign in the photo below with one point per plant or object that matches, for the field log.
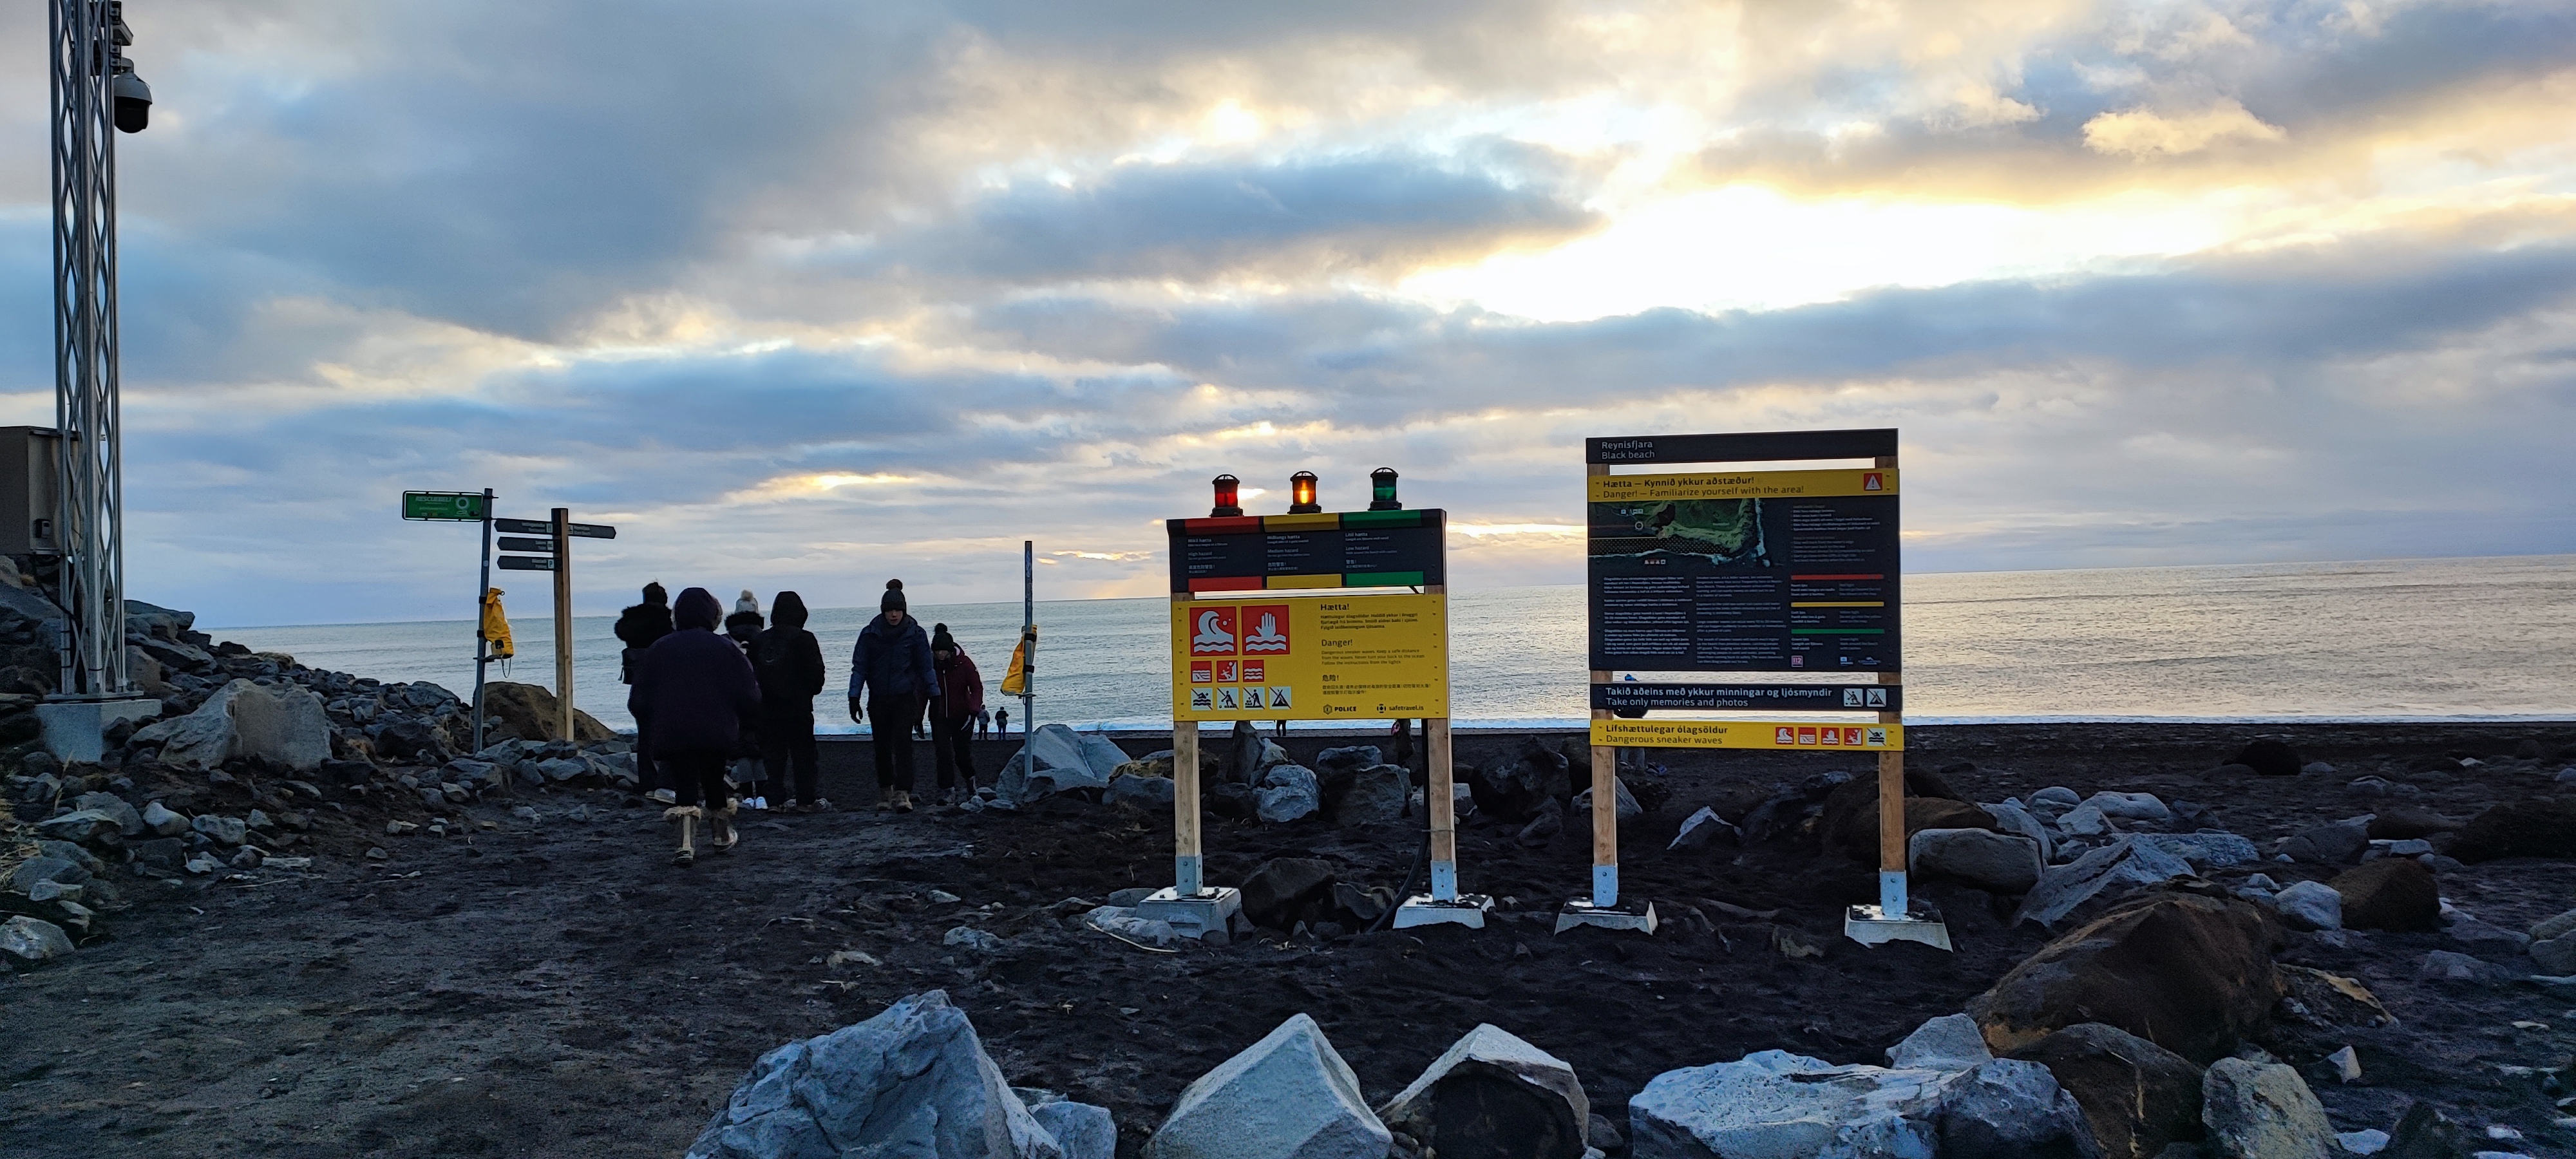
(524, 562)
(1746, 571)
(1355, 549)
(547, 527)
(1639, 697)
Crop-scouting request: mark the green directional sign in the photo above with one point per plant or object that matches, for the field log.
(457, 505)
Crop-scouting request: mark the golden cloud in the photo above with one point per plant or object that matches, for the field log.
(2144, 132)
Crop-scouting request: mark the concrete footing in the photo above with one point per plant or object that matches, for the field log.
(1638, 916)
(1870, 926)
(75, 730)
(1467, 909)
(1210, 910)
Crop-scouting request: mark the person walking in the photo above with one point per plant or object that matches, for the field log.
(692, 694)
(789, 661)
(744, 627)
(891, 663)
(952, 716)
(637, 627)
(1002, 722)
(983, 721)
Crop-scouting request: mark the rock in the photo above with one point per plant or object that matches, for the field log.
(1153, 794)
(1849, 822)
(1274, 893)
(2535, 828)
(529, 712)
(1776, 1104)
(2130, 806)
(1374, 795)
(1950, 1042)
(1230, 800)
(1623, 804)
(1288, 1096)
(2268, 758)
(561, 769)
(2191, 974)
(1359, 907)
(2330, 999)
(1056, 759)
(2392, 893)
(24, 876)
(2548, 928)
(2083, 821)
(2204, 851)
(161, 821)
(2310, 905)
(398, 828)
(1517, 787)
(43, 890)
(247, 857)
(2013, 817)
(1081, 1130)
(1122, 920)
(2056, 799)
(2138, 1097)
(914, 1081)
(2005, 863)
(1336, 762)
(2124, 864)
(33, 939)
(281, 723)
(2556, 956)
(2318, 769)
(202, 863)
(1702, 827)
(1288, 793)
(2452, 966)
(2368, 1141)
(84, 827)
(1542, 828)
(2339, 843)
(2425, 1133)
(2401, 822)
(1252, 754)
(128, 822)
(2347, 1064)
(221, 830)
(971, 938)
(2262, 1111)
(1491, 1094)
(2010, 1109)
(1131, 896)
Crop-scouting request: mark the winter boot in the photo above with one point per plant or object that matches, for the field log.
(721, 835)
(902, 801)
(684, 819)
(885, 800)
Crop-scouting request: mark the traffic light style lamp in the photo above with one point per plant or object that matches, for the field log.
(1382, 490)
(1301, 494)
(1227, 505)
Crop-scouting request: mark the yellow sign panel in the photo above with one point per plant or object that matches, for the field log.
(1261, 656)
(1801, 735)
(1741, 485)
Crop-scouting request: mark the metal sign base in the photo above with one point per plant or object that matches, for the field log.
(1422, 909)
(1631, 916)
(1196, 915)
(1870, 926)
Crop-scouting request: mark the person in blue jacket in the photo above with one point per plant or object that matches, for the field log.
(694, 693)
(891, 663)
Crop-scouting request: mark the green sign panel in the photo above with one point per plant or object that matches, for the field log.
(461, 505)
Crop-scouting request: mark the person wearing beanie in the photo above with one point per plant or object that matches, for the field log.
(789, 662)
(637, 627)
(692, 694)
(743, 627)
(952, 716)
(891, 664)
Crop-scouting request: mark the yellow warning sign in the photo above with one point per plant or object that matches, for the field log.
(1804, 736)
(1264, 656)
(1741, 485)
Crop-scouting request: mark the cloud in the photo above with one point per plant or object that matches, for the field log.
(2145, 133)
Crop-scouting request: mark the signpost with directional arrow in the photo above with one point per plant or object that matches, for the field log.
(550, 554)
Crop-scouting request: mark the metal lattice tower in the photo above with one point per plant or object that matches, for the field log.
(90, 74)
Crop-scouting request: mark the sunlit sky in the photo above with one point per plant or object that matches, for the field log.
(806, 295)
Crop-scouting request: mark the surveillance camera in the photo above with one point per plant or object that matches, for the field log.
(133, 102)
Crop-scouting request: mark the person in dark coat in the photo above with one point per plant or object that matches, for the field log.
(692, 694)
(891, 662)
(750, 773)
(952, 716)
(789, 661)
(637, 627)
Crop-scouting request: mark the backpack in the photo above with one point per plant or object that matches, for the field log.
(771, 657)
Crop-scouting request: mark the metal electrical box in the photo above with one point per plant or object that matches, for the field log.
(27, 489)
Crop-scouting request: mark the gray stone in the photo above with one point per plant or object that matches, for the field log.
(2124, 864)
(2130, 806)
(2548, 928)
(1777, 1105)
(1623, 804)
(1288, 793)
(84, 826)
(2005, 863)
(2011, 1109)
(71, 853)
(1149, 793)
(2339, 843)
(913, 1081)
(2262, 1111)
(1057, 759)
(33, 939)
(221, 830)
(2205, 851)
(128, 822)
(2557, 955)
(1702, 827)
(561, 769)
(1288, 1096)
(283, 723)
(1950, 1042)
(2317, 769)
(1081, 1131)
(1128, 897)
(2369, 1141)
(1493, 1094)
(26, 874)
(971, 938)
(2310, 905)
(162, 822)
(203, 863)
(1334, 762)
(44, 890)
(2452, 966)
(2055, 799)
(2014, 817)
(1376, 794)
(2083, 821)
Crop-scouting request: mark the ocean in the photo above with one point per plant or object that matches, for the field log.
(2412, 640)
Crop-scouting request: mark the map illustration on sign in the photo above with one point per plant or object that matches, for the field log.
(1720, 531)
(1215, 635)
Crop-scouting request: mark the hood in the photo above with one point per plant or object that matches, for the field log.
(788, 610)
(697, 608)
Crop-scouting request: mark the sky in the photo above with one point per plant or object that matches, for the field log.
(806, 295)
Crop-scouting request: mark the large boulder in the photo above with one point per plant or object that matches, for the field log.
(1373, 795)
(1288, 793)
(1776, 1105)
(1275, 894)
(1950, 1042)
(2125, 864)
(2015, 817)
(1082, 1130)
(2542, 827)
(2138, 1097)
(1849, 823)
(2010, 1109)
(1253, 754)
(1288, 1096)
(914, 1080)
(528, 712)
(2266, 757)
(1056, 759)
(1491, 1094)
(2191, 974)
(1152, 794)
(2257, 1110)
(1623, 804)
(2310, 905)
(2005, 863)
(2392, 893)
(2334, 843)
(2129, 806)
(1517, 787)
(84, 827)
(283, 724)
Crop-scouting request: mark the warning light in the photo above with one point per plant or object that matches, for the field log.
(1382, 490)
(1226, 506)
(1301, 494)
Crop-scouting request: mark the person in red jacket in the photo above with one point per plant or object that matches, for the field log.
(952, 716)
